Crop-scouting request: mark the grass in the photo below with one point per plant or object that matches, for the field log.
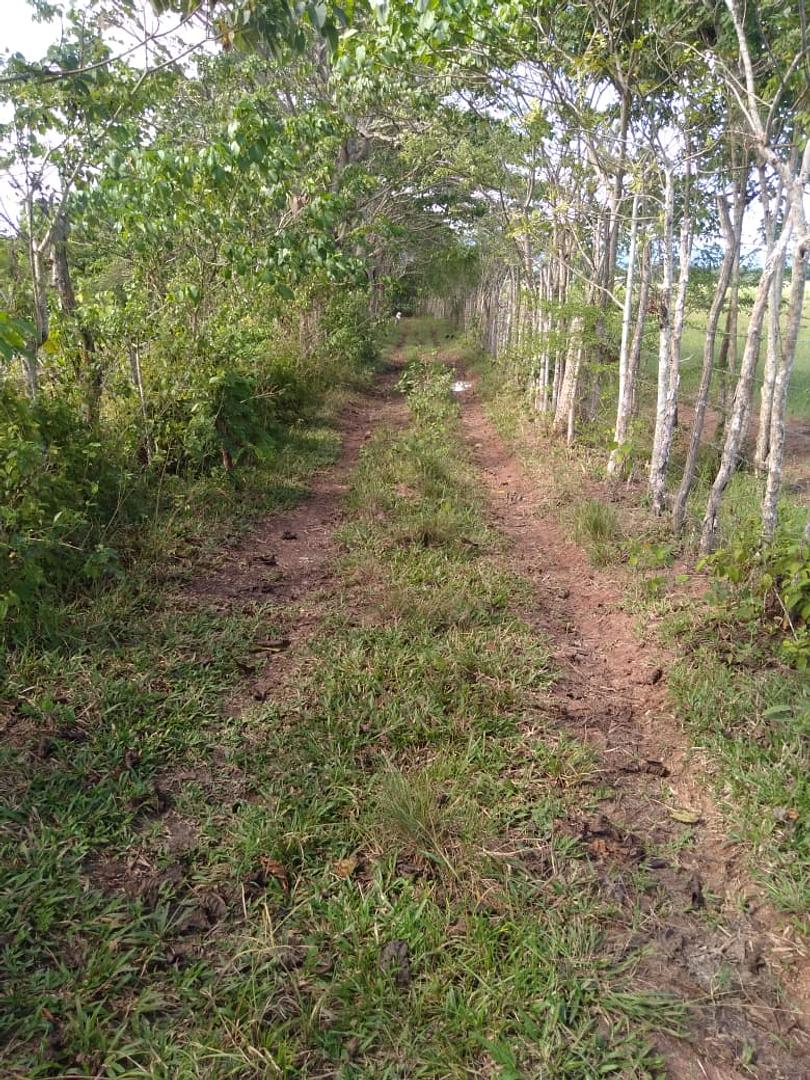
(344, 880)
(730, 687)
(597, 528)
(756, 723)
(692, 356)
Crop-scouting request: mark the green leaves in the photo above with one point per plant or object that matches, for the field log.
(14, 334)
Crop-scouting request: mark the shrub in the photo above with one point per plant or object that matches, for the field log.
(769, 585)
(60, 489)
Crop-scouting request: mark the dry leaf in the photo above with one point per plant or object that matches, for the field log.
(273, 868)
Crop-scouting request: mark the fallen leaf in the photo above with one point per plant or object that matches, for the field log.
(344, 868)
(273, 868)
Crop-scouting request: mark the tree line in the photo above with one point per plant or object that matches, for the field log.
(201, 234)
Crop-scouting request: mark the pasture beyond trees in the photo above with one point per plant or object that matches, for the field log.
(420, 696)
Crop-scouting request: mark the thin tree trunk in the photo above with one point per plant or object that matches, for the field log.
(566, 400)
(88, 368)
(137, 381)
(572, 403)
(638, 332)
(772, 362)
(665, 335)
(625, 397)
(784, 370)
(732, 238)
(658, 476)
(771, 213)
(30, 361)
(741, 408)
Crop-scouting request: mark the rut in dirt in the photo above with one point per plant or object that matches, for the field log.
(289, 559)
(711, 939)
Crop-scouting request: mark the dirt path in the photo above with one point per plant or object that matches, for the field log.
(289, 559)
(712, 941)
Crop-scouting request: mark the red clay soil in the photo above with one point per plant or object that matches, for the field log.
(712, 939)
(289, 559)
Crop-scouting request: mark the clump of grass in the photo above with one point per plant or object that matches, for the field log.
(418, 812)
(596, 522)
(597, 528)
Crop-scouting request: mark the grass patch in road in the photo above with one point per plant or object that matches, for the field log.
(363, 877)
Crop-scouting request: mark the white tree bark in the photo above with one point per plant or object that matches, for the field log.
(776, 458)
(638, 331)
(566, 399)
(771, 213)
(625, 401)
(663, 430)
(737, 424)
(732, 233)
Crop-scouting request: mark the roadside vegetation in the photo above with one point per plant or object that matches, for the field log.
(739, 679)
(222, 226)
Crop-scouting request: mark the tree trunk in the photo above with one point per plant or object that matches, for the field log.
(137, 381)
(572, 401)
(657, 471)
(625, 391)
(732, 234)
(30, 361)
(641, 323)
(772, 362)
(566, 399)
(741, 408)
(783, 372)
(88, 368)
(771, 213)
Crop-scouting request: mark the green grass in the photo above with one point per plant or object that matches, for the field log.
(730, 686)
(692, 357)
(597, 528)
(756, 723)
(353, 879)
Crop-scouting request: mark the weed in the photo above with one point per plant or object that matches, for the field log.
(596, 527)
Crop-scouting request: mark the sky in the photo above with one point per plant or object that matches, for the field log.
(21, 34)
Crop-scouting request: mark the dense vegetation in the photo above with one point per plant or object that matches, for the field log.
(210, 215)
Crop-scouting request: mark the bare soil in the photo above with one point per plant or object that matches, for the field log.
(713, 940)
(289, 560)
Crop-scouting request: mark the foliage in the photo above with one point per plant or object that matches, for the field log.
(61, 490)
(769, 585)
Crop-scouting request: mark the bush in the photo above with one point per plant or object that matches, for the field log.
(222, 397)
(60, 489)
(769, 585)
